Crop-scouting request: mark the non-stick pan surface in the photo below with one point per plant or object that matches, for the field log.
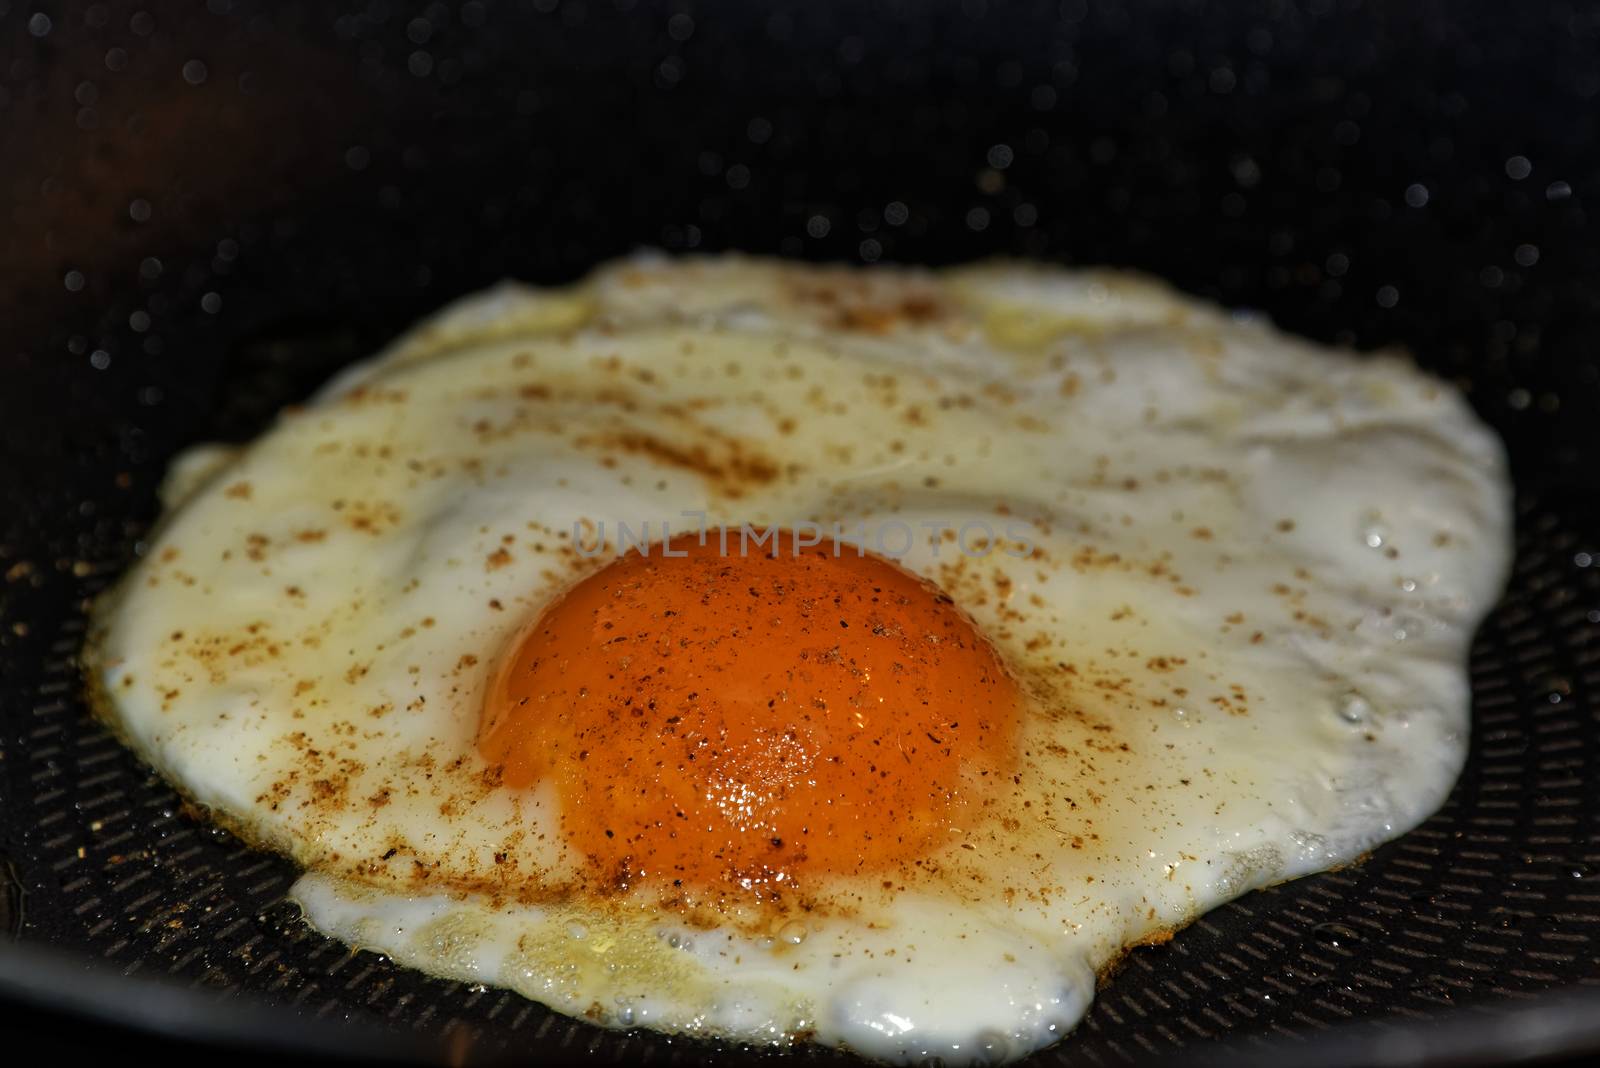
(204, 210)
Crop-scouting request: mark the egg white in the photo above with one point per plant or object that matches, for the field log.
(1260, 564)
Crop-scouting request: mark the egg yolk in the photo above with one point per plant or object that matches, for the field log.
(747, 722)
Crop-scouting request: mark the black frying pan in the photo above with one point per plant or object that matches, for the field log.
(204, 210)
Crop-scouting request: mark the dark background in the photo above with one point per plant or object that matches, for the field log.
(206, 207)
(1374, 173)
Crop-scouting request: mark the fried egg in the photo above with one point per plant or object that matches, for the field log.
(763, 651)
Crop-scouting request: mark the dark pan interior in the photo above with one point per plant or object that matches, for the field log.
(208, 208)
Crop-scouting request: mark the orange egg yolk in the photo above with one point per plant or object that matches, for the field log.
(747, 722)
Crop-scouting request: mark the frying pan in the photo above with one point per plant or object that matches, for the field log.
(208, 209)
